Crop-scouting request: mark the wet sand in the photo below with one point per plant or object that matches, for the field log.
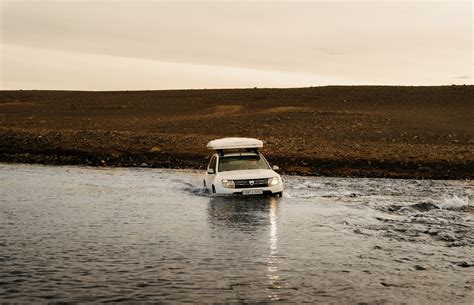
(360, 131)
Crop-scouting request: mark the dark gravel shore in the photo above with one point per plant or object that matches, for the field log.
(363, 131)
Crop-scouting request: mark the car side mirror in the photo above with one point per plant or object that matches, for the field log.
(211, 171)
(275, 167)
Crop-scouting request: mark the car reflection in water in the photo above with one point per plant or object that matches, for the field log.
(256, 217)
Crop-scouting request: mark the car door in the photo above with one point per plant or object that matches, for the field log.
(210, 175)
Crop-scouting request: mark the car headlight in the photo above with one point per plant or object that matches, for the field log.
(272, 181)
(228, 184)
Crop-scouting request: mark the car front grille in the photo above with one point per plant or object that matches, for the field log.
(248, 183)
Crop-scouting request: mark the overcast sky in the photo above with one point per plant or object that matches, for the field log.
(127, 45)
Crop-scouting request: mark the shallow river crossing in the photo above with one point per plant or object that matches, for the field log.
(80, 234)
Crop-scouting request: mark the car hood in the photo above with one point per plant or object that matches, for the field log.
(248, 174)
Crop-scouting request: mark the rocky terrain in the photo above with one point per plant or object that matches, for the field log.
(364, 131)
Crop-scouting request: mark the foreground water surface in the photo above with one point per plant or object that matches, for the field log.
(80, 234)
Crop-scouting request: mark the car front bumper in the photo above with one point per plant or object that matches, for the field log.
(268, 190)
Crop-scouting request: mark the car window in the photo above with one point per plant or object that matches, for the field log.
(232, 163)
(212, 163)
(214, 167)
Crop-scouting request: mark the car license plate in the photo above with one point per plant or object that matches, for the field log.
(252, 192)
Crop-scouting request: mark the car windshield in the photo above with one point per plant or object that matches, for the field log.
(233, 163)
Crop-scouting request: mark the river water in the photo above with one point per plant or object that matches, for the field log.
(77, 234)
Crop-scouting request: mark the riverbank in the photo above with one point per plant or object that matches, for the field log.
(357, 131)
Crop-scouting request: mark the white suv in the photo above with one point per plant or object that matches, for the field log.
(239, 168)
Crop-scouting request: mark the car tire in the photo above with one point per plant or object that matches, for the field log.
(279, 194)
(213, 189)
(204, 182)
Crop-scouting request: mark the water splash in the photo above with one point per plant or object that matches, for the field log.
(454, 202)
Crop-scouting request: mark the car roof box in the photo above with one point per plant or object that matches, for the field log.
(235, 143)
